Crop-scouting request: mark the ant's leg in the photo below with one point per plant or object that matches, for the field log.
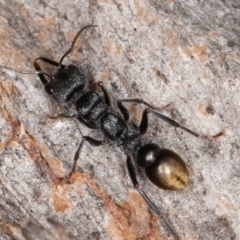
(105, 93)
(125, 112)
(93, 142)
(89, 125)
(133, 177)
(144, 122)
(38, 68)
(132, 174)
(75, 116)
(47, 60)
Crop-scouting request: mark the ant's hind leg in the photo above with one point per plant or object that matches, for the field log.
(133, 177)
(175, 124)
(152, 206)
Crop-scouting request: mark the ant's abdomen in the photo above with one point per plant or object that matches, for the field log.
(168, 171)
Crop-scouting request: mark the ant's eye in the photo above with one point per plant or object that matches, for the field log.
(49, 89)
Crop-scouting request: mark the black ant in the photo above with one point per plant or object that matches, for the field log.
(163, 167)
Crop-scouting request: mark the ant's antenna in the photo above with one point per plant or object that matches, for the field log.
(24, 72)
(74, 40)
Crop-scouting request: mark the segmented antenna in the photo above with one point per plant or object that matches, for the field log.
(60, 62)
(74, 40)
(24, 72)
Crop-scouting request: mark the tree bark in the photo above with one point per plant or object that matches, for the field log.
(170, 53)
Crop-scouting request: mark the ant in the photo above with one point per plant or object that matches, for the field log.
(163, 167)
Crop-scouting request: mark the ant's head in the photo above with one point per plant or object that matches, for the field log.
(65, 83)
(67, 80)
(163, 167)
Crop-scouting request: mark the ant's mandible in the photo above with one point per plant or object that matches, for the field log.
(163, 167)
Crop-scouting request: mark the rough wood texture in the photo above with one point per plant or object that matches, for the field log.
(186, 54)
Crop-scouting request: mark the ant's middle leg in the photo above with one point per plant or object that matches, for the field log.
(144, 121)
(124, 110)
(92, 142)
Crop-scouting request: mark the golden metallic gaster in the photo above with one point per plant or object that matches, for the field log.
(168, 171)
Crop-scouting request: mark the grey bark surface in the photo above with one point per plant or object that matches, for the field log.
(186, 54)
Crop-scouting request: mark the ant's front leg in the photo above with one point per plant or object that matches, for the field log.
(105, 94)
(73, 116)
(38, 68)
